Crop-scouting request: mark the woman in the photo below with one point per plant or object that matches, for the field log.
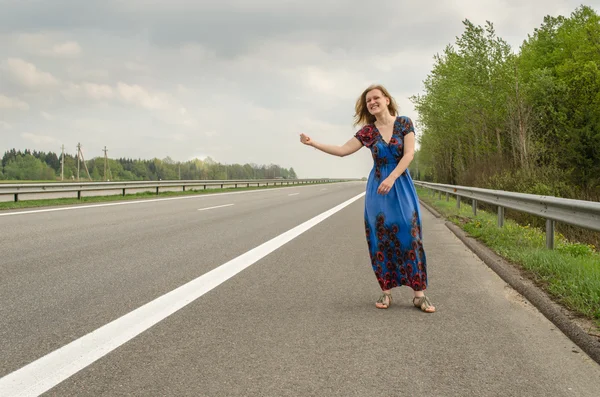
(392, 214)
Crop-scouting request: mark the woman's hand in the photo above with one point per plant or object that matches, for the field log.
(305, 140)
(386, 185)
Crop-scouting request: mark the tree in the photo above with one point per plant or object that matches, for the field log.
(167, 169)
(27, 167)
(528, 121)
(53, 161)
(560, 70)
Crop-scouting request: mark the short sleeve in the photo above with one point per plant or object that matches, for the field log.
(366, 135)
(407, 125)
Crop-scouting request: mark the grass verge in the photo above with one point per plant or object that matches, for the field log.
(24, 182)
(570, 273)
(9, 205)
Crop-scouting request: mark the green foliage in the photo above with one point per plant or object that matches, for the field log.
(465, 104)
(575, 249)
(528, 122)
(28, 167)
(560, 68)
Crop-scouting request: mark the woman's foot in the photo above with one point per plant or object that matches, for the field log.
(423, 303)
(384, 301)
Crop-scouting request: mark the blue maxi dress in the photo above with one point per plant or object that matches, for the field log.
(393, 220)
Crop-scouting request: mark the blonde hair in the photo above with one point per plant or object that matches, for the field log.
(362, 115)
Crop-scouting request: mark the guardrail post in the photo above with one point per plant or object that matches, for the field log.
(500, 216)
(16, 197)
(440, 195)
(457, 201)
(157, 190)
(474, 204)
(236, 185)
(184, 188)
(549, 234)
(123, 192)
(447, 196)
(79, 195)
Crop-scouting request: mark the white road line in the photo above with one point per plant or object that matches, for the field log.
(50, 370)
(80, 207)
(324, 189)
(293, 194)
(218, 206)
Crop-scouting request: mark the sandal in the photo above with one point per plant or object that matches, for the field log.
(424, 304)
(380, 304)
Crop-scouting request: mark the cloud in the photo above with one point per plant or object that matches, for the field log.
(131, 94)
(179, 137)
(38, 139)
(139, 96)
(137, 67)
(12, 103)
(336, 83)
(199, 156)
(182, 89)
(88, 90)
(47, 44)
(169, 109)
(164, 107)
(67, 49)
(28, 75)
(96, 74)
(5, 125)
(234, 80)
(47, 116)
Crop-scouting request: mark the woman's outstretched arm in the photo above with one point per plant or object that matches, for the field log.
(352, 146)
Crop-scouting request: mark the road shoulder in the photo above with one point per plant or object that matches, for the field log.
(584, 333)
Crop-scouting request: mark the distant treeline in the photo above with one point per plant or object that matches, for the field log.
(34, 165)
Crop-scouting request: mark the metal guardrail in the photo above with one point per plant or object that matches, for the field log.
(40, 188)
(581, 213)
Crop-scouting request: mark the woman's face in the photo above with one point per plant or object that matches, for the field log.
(376, 102)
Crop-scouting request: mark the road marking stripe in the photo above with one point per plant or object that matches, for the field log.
(293, 194)
(53, 368)
(217, 206)
(79, 207)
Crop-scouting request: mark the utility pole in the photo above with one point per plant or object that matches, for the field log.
(78, 152)
(62, 164)
(105, 161)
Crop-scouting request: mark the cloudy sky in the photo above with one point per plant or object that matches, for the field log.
(235, 80)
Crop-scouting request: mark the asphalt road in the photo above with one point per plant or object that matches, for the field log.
(295, 320)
